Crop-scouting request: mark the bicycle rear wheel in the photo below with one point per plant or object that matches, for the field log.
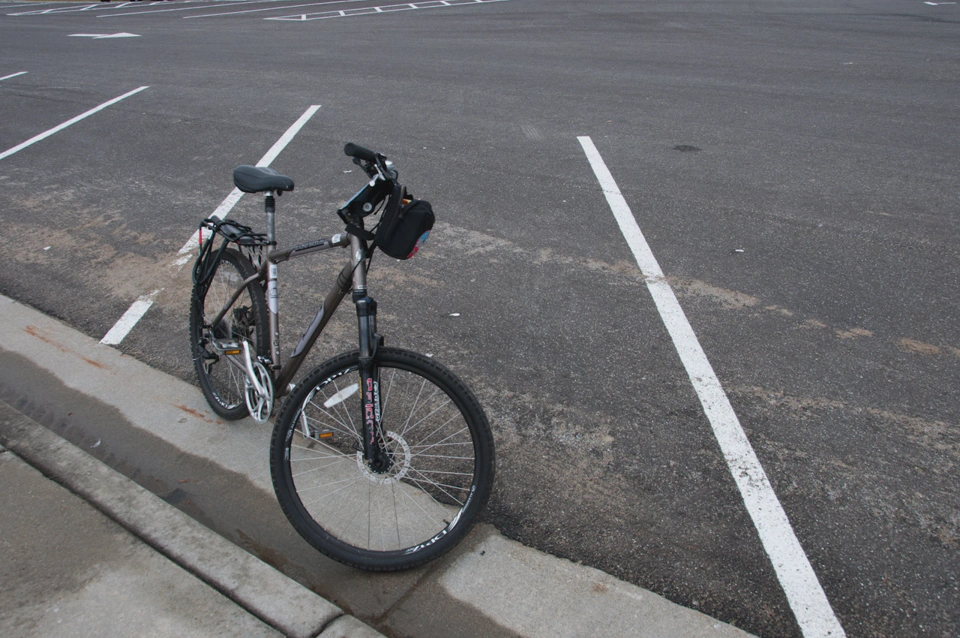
(441, 462)
(222, 375)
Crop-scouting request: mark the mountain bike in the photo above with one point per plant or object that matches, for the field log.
(381, 458)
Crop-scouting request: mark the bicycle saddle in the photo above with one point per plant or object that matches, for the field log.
(257, 179)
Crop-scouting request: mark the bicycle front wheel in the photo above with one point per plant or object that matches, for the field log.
(439, 476)
(222, 375)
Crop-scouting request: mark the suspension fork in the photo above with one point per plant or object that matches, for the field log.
(374, 447)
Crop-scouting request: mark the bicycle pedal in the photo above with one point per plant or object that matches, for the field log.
(228, 348)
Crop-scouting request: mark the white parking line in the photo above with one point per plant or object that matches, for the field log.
(276, 8)
(129, 319)
(103, 36)
(797, 578)
(46, 134)
(231, 200)
(146, 10)
(68, 9)
(15, 5)
(132, 316)
(18, 5)
(12, 75)
(406, 6)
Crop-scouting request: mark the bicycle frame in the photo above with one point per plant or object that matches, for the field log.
(352, 276)
(270, 379)
(380, 457)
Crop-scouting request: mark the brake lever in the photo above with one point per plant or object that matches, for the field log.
(391, 170)
(371, 169)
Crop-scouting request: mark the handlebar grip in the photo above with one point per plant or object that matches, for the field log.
(359, 152)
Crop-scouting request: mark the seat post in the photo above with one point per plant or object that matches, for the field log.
(270, 207)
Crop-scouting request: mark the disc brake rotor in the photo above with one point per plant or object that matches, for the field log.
(400, 452)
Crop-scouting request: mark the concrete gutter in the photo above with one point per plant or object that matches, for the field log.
(501, 587)
(250, 583)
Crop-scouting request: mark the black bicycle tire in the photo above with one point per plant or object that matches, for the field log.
(259, 309)
(325, 542)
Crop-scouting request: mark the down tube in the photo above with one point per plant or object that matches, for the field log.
(327, 308)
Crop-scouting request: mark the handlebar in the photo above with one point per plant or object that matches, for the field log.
(383, 178)
(373, 164)
(358, 152)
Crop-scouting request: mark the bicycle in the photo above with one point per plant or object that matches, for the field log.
(380, 458)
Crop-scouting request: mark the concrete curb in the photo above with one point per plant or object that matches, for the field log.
(489, 586)
(258, 588)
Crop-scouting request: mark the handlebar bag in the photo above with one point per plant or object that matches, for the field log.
(404, 226)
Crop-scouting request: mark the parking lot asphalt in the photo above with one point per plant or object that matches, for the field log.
(790, 166)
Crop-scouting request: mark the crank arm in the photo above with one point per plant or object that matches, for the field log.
(248, 366)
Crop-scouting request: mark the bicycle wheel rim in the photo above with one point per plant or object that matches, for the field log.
(417, 509)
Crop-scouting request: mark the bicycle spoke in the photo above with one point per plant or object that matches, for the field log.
(439, 486)
(396, 514)
(345, 429)
(315, 469)
(316, 453)
(324, 486)
(353, 427)
(420, 507)
(445, 403)
(401, 508)
(438, 456)
(432, 445)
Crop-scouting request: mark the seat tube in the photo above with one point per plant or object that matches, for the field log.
(273, 309)
(273, 303)
(270, 208)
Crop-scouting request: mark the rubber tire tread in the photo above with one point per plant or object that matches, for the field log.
(364, 559)
(259, 309)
